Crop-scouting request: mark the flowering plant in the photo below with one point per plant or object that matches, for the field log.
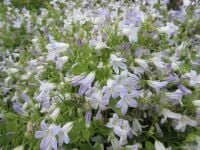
(100, 75)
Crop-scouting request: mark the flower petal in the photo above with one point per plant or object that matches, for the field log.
(40, 134)
(132, 103)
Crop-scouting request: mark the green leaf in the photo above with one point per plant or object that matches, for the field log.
(149, 145)
(98, 146)
(84, 146)
(79, 132)
(191, 137)
(86, 134)
(112, 105)
(79, 68)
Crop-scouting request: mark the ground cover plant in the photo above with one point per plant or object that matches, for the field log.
(114, 75)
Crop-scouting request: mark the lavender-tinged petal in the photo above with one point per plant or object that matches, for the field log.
(184, 90)
(180, 126)
(98, 115)
(124, 108)
(88, 116)
(192, 83)
(132, 103)
(88, 79)
(106, 98)
(105, 89)
(43, 125)
(119, 104)
(123, 92)
(55, 130)
(45, 104)
(45, 143)
(122, 65)
(116, 69)
(80, 43)
(135, 93)
(54, 143)
(66, 139)
(75, 80)
(40, 134)
(82, 89)
(25, 97)
(118, 131)
(139, 52)
(67, 127)
(18, 108)
(61, 138)
(89, 91)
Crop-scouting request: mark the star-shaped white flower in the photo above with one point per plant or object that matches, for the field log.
(48, 135)
(117, 62)
(63, 134)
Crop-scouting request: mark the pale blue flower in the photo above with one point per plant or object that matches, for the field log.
(111, 90)
(170, 29)
(17, 23)
(174, 62)
(183, 122)
(186, 3)
(44, 98)
(157, 85)
(123, 132)
(55, 113)
(63, 133)
(131, 32)
(138, 71)
(172, 78)
(194, 79)
(169, 114)
(152, 2)
(165, 2)
(157, 61)
(197, 13)
(127, 100)
(57, 47)
(178, 15)
(7, 2)
(18, 108)
(25, 97)
(184, 90)
(88, 116)
(114, 141)
(142, 63)
(46, 86)
(96, 99)
(60, 62)
(114, 121)
(121, 128)
(117, 62)
(98, 43)
(48, 135)
(127, 80)
(85, 82)
(175, 97)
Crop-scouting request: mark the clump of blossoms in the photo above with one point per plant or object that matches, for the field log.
(100, 74)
